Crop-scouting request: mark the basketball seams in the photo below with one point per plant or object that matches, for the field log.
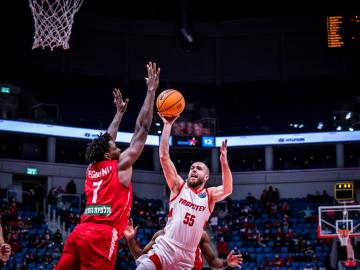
(175, 103)
(172, 106)
(172, 92)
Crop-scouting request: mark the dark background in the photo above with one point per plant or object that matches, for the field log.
(257, 66)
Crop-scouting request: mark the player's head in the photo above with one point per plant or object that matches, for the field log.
(102, 148)
(198, 174)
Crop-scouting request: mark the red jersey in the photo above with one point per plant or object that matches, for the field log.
(198, 263)
(108, 201)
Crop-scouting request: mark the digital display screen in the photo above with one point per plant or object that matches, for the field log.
(208, 141)
(193, 141)
(343, 31)
(344, 191)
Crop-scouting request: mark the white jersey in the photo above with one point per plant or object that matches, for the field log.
(188, 214)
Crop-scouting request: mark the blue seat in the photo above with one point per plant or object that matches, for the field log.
(267, 250)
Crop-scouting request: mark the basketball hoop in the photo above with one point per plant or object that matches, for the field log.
(53, 20)
(344, 237)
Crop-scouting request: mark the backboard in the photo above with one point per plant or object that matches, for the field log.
(333, 219)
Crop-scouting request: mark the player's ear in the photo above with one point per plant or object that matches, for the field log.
(107, 156)
(206, 177)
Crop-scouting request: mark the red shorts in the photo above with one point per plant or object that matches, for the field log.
(90, 246)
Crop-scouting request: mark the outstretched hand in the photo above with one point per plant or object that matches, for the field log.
(121, 105)
(5, 252)
(152, 80)
(167, 120)
(234, 260)
(130, 231)
(223, 151)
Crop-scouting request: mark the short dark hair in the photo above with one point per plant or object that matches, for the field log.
(97, 148)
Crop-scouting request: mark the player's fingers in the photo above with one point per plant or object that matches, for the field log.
(119, 95)
(231, 253)
(158, 72)
(150, 68)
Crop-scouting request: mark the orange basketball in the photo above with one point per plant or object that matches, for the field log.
(170, 103)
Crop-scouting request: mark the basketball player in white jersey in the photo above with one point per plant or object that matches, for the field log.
(190, 207)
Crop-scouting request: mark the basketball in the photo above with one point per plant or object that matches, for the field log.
(170, 103)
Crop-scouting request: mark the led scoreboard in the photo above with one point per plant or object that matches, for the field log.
(344, 191)
(192, 141)
(343, 31)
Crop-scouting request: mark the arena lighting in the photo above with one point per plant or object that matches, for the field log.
(125, 137)
(339, 128)
(348, 115)
(320, 125)
(301, 125)
(157, 124)
(69, 132)
(351, 129)
(284, 139)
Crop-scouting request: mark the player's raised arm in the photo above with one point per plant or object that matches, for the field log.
(130, 233)
(143, 124)
(233, 260)
(136, 251)
(121, 107)
(173, 180)
(221, 192)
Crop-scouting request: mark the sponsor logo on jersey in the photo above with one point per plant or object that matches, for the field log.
(192, 205)
(202, 194)
(102, 210)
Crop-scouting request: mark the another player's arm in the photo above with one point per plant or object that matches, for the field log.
(121, 107)
(5, 249)
(215, 262)
(149, 245)
(172, 177)
(136, 251)
(221, 192)
(142, 127)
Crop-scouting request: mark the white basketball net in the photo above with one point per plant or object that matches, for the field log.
(53, 21)
(344, 237)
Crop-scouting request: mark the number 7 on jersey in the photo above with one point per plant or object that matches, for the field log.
(96, 189)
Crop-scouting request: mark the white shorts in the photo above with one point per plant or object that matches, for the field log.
(170, 256)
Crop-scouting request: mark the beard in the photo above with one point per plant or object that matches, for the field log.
(195, 184)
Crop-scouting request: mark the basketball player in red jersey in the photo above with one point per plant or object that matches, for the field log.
(108, 189)
(204, 248)
(190, 207)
